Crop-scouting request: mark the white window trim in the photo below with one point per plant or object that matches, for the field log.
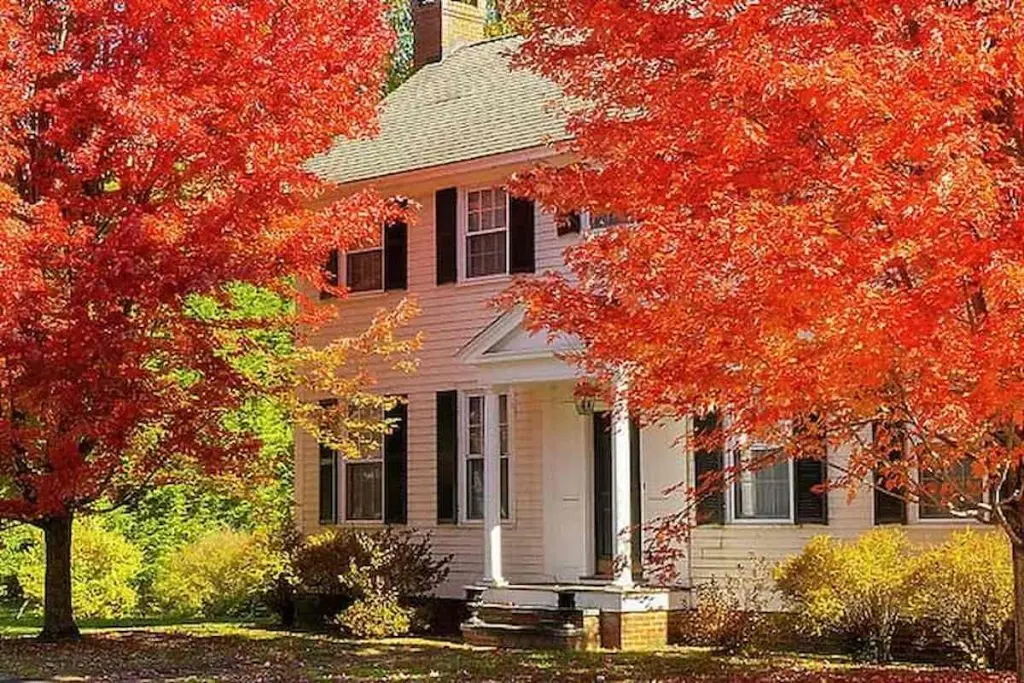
(732, 448)
(463, 440)
(462, 224)
(343, 267)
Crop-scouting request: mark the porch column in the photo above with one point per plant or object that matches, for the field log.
(492, 490)
(622, 504)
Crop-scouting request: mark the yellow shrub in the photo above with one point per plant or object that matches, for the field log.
(222, 574)
(965, 594)
(104, 567)
(860, 590)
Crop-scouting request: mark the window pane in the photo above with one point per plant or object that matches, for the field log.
(764, 494)
(476, 426)
(475, 488)
(503, 425)
(607, 220)
(486, 254)
(945, 488)
(500, 209)
(365, 271)
(363, 490)
(504, 488)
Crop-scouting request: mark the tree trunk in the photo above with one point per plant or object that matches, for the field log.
(1018, 609)
(58, 618)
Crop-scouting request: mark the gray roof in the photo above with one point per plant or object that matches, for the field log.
(469, 106)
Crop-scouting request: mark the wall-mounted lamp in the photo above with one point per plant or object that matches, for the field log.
(585, 405)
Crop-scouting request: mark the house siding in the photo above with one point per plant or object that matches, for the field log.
(451, 316)
(538, 543)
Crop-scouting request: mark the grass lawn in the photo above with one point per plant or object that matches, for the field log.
(237, 652)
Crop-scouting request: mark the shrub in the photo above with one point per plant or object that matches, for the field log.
(730, 614)
(396, 561)
(223, 574)
(860, 590)
(376, 616)
(16, 546)
(965, 595)
(104, 568)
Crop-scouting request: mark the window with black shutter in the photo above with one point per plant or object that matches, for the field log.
(708, 462)
(396, 456)
(447, 457)
(446, 212)
(890, 506)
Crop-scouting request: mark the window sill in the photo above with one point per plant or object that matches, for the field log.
(484, 280)
(942, 520)
(761, 522)
(505, 523)
(366, 294)
(362, 522)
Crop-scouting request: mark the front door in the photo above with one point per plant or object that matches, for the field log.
(604, 532)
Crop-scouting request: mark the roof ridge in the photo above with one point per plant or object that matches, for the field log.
(479, 43)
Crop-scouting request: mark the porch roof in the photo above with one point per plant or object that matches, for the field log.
(507, 354)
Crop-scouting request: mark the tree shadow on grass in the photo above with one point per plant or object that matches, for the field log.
(234, 653)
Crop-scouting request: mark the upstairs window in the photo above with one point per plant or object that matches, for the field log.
(364, 268)
(487, 232)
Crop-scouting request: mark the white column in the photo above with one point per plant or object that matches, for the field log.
(492, 490)
(622, 501)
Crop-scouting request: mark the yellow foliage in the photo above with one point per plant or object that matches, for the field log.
(965, 594)
(860, 589)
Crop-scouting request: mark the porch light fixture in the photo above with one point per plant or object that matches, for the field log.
(585, 405)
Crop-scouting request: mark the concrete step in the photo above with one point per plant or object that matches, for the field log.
(527, 637)
(516, 615)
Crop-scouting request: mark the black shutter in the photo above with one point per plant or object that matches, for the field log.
(328, 485)
(446, 211)
(447, 457)
(396, 253)
(711, 508)
(568, 223)
(328, 496)
(811, 507)
(890, 508)
(521, 221)
(396, 458)
(810, 470)
(333, 270)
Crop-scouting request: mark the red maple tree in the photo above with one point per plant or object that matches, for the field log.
(828, 209)
(151, 154)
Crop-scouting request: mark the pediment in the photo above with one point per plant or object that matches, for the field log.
(505, 339)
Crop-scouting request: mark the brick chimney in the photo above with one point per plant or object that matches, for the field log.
(440, 26)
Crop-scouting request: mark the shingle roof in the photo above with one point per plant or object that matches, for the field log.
(469, 106)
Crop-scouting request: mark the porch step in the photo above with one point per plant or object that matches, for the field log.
(517, 615)
(532, 628)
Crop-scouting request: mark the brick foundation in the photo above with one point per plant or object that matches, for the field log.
(634, 630)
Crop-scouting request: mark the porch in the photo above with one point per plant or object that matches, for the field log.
(604, 479)
(582, 616)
